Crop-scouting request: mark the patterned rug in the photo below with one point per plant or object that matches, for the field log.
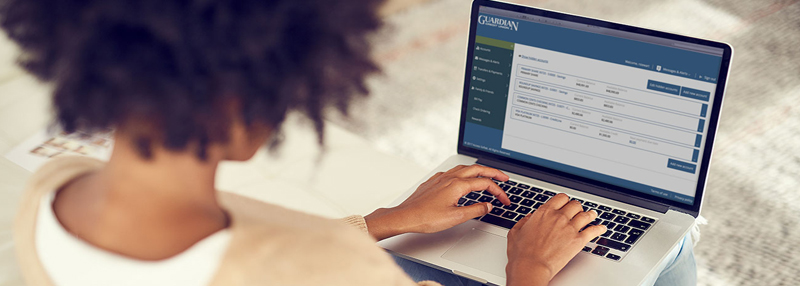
(752, 201)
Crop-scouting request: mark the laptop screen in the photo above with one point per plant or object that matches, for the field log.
(623, 108)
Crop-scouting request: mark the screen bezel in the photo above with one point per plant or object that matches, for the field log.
(716, 107)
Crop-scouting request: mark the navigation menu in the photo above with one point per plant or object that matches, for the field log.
(489, 79)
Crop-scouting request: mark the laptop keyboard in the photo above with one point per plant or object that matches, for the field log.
(625, 228)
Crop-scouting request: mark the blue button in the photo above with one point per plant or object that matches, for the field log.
(703, 110)
(695, 94)
(701, 125)
(697, 140)
(681, 166)
(663, 87)
(694, 155)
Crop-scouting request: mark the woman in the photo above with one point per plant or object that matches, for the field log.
(189, 83)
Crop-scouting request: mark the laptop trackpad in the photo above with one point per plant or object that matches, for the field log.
(480, 250)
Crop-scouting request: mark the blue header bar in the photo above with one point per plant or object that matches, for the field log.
(653, 57)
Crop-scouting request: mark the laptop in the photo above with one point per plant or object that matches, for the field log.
(620, 118)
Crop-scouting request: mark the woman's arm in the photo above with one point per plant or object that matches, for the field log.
(543, 242)
(539, 245)
(433, 206)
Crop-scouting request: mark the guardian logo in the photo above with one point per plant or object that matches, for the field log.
(498, 22)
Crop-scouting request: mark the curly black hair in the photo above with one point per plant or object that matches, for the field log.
(174, 63)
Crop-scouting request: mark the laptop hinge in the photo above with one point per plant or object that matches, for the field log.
(577, 185)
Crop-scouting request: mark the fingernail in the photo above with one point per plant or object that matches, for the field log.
(488, 207)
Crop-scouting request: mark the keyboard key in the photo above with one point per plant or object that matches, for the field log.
(608, 233)
(511, 207)
(608, 224)
(486, 199)
(515, 199)
(636, 232)
(515, 191)
(599, 250)
(498, 221)
(470, 202)
(527, 203)
(497, 211)
(535, 189)
(599, 212)
(509, 215)
(590, 204)
(622, 228)
(541, 198)
(510, 182)
(613, 244)
(632, 239)
(487, 193)
(524, 210)
(585, 208)
(633, 216)
(461, 201)
(505, 187)
(593, 240)
(528, 194)
(613, 256)
(608, 216)
(619, 236)
(549, 193)
(648, 220)
(604, 208)
(538, 205)
(596, 221)
(523, 186)
(587, 249)
(639, 224)
(579, 200)
(619, 212)
(473, 195)
(621, 219)
(519, 217)
(497, 203)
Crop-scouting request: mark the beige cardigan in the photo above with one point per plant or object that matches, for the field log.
(270, 245)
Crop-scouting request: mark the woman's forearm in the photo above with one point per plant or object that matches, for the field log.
(384, 223)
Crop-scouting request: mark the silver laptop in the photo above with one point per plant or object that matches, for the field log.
(620, 118)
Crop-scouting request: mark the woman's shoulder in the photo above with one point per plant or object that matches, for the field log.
(265, 223)
(274, 245)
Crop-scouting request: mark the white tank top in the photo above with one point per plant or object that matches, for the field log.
(70, 261)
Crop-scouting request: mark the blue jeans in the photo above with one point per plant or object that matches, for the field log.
(678, 269)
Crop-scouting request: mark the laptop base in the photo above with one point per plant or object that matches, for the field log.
(446, 250)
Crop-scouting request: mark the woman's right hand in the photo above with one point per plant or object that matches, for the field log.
(542, 243)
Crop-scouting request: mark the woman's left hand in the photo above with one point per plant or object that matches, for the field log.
(433, 206)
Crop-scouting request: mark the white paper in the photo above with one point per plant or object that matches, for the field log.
(42, 146)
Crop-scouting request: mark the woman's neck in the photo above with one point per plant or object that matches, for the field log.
(148, 209)
(177, 179)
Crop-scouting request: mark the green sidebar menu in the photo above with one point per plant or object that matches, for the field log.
(489, 80)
